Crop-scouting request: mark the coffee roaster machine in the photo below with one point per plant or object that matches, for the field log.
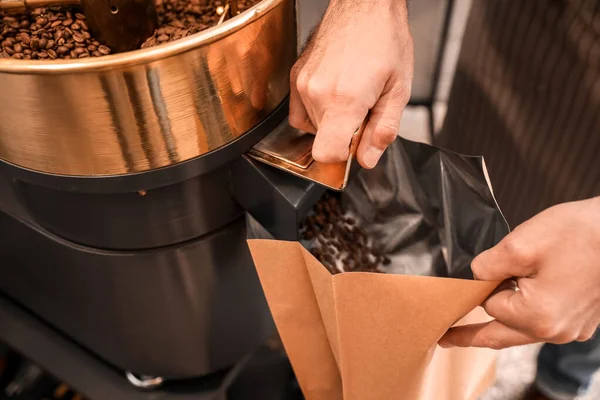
(126, 187)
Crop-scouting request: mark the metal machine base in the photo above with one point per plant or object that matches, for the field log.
(265, 374)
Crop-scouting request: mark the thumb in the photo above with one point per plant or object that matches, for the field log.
(511, 258)
(335, 131)
(511, 308)
(381, 130)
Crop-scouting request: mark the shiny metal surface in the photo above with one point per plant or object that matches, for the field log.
(149, 108)
(289, 149)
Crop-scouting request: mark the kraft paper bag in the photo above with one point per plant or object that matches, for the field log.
(460, 373)
(357, 335)
(373, 336)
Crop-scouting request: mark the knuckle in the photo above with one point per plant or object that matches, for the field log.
(478, 266)
(402, 91)
(384, 135)
(296, 120)
(317, 88)
(519, 251)
(302, 81)
(585, 336)
(493, 343)
(545, 329)
(552, 331)
(566, 337)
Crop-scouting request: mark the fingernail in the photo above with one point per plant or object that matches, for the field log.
(445, 344)
(372, 156)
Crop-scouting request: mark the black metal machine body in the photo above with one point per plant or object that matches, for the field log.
(150, 273)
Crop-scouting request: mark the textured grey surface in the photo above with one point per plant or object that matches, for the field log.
(516, 371)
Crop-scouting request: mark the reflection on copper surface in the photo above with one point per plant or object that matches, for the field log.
(289, 149)
(151, 108)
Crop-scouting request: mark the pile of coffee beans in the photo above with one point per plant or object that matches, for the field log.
(62, 32)
(339, 243)
(181, 18)
(47, 34)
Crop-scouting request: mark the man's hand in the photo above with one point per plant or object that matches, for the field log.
(360, 59)
(555, 259)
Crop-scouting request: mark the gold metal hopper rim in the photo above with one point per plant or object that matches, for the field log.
(142, 56)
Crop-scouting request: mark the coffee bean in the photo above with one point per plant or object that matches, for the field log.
(78, 38)
(25, 38)
(62, 29)
(103, 50)
(341, 238)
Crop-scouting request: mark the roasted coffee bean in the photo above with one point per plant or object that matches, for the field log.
(340, 238)
(103, 50)
(78, 37)
(48, 33)
(57, 28)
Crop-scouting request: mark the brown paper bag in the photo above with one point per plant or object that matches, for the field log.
(362, 336)
(460, 374)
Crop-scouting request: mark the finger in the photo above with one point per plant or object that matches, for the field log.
(381, 130)
(510, 258)
(298, 116)
(334, 133)
(510, 308)
(492, 335)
